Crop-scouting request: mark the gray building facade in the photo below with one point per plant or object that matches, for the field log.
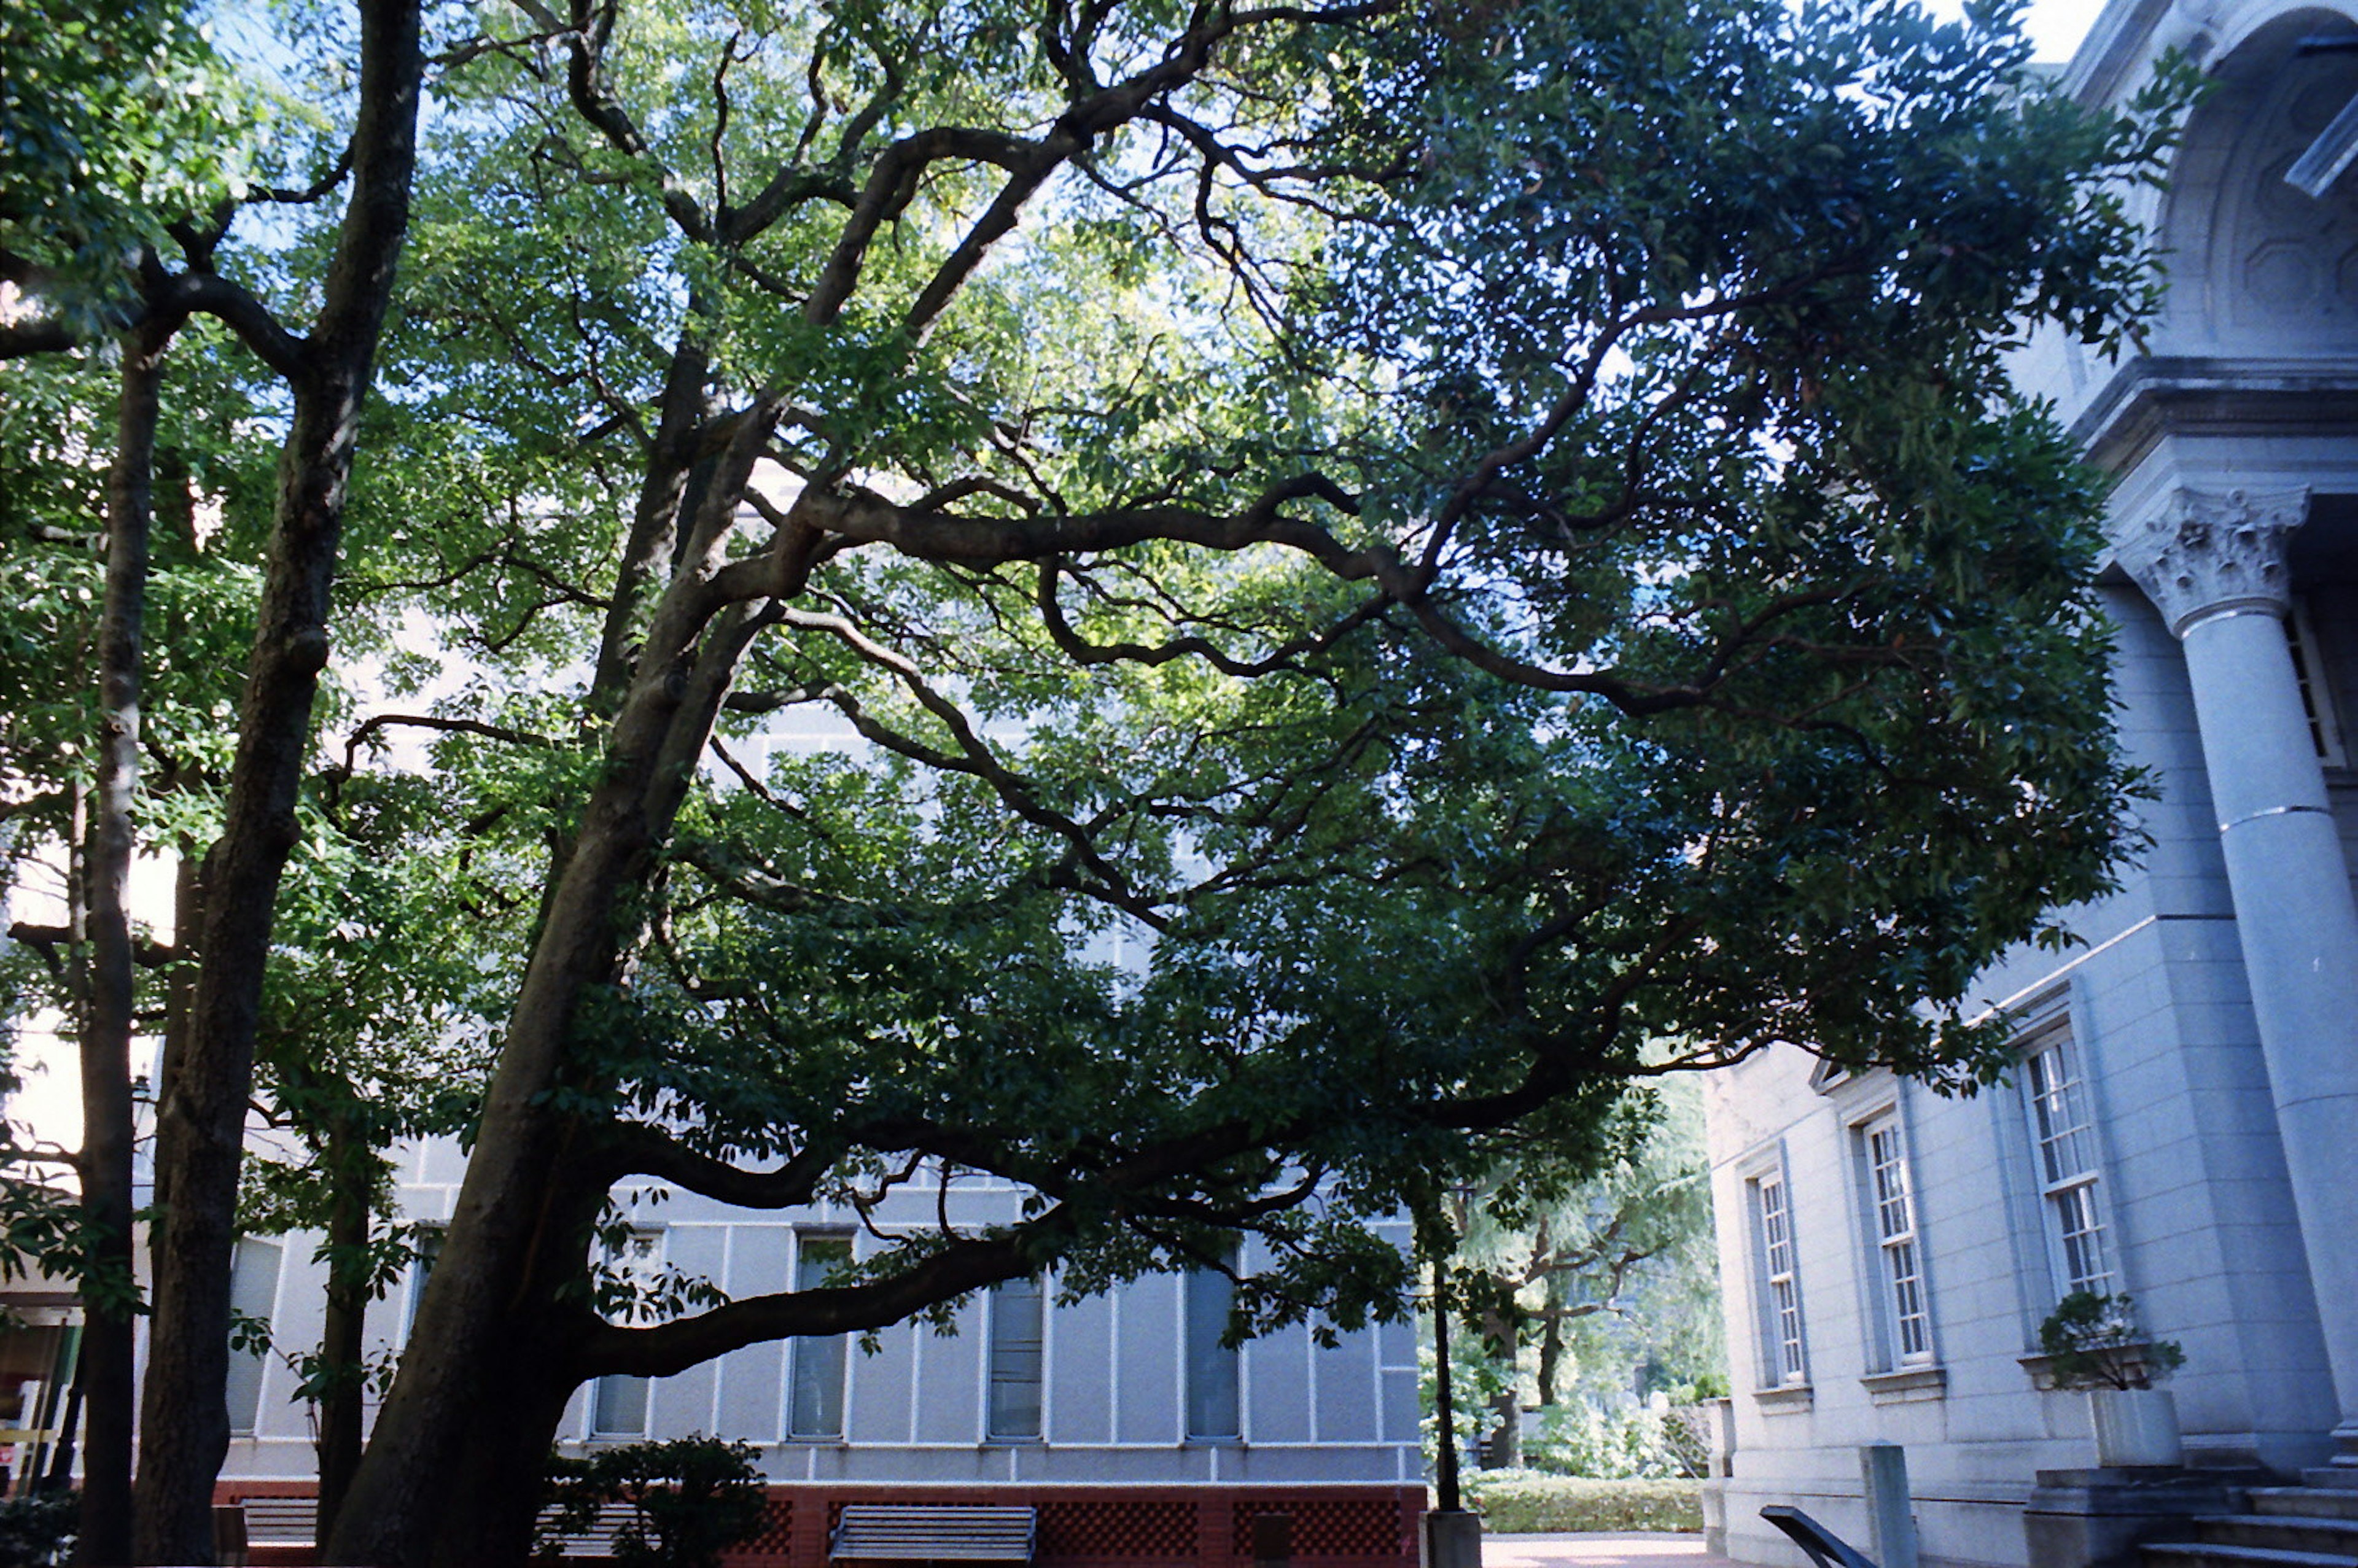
(1120, 1416)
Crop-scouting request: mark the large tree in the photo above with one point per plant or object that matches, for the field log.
(1367, 566)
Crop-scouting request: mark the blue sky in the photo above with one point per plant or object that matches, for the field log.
(2056, 27)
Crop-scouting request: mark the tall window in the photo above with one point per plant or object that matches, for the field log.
(815, 1403)
(617, 1407)
(252, 1295)
(1212, 1403)
(1781, 1289)
(2064, 1147)
(1907, 1327)
(1017, 1316)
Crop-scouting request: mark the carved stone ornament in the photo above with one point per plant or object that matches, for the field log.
(2205, 551)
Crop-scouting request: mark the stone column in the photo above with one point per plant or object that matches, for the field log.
(2214, 563)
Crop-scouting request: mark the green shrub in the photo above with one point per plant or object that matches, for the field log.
(1617, 1442)
(1523, 1502)
(692, 1499)
(39, 1527)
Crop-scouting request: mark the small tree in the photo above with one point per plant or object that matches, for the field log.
(2092, 1341)
(691, 1498)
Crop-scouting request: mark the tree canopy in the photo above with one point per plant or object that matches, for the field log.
(1234, 614)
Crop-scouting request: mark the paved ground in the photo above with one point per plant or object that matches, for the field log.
(1632, 1549)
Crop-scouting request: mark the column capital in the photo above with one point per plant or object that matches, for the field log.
(2204, 551)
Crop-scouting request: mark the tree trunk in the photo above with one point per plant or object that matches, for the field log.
(521, 1219)
(471, 1496)
(492, 1492)
(201, 1122)
(351, 1174)
(1551, 1352)
(110, 1294)
(1502, 1442)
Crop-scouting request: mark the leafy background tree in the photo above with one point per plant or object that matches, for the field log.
(1590, 1297)
(1370, 574)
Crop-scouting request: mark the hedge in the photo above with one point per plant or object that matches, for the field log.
(1524, 1502)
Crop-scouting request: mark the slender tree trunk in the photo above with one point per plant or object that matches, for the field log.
(1551, 1350)
(109, 1295)
(1502, 1444)
(1444, 1454)
(201, 1122)
(352, 1172)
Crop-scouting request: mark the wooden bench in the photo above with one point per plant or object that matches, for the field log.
(279, 1525)
(934, 1533)
(1823, 1546)
(598, 1540)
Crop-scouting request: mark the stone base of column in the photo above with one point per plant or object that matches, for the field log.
(2098, 1518)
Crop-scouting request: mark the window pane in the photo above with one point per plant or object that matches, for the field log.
(621, 1410)
(1211, 1367)
(1016, 1318)
(1908, 1334)
(430, 1248)
(252, 1292)
(815, 1408)
(1780, 1294)
(2063, 1127)
(2082, 1236)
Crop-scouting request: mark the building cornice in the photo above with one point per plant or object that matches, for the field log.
(2151, 397)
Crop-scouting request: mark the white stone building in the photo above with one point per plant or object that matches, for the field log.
(2183, 1126)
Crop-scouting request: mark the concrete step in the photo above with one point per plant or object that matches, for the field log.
(2333, 1477)
(2312, 1502)
(2286, 1532)
(2202, 1555)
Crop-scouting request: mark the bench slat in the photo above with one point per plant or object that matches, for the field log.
(289, 1521)
(934, 1533)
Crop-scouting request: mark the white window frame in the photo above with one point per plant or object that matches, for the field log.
(1893, 1233)
(1211, 1375)
(1004, 1355)
(1781, 1328)
(2067, 1172)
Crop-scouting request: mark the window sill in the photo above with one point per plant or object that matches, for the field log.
(1905, 1385)
(1785, 1400)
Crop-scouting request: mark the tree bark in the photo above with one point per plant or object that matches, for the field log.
(491, 1491)
(1551, 1345)
(466, 1491)
(201, 1123)
(109, 1292)
(352, 1172)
